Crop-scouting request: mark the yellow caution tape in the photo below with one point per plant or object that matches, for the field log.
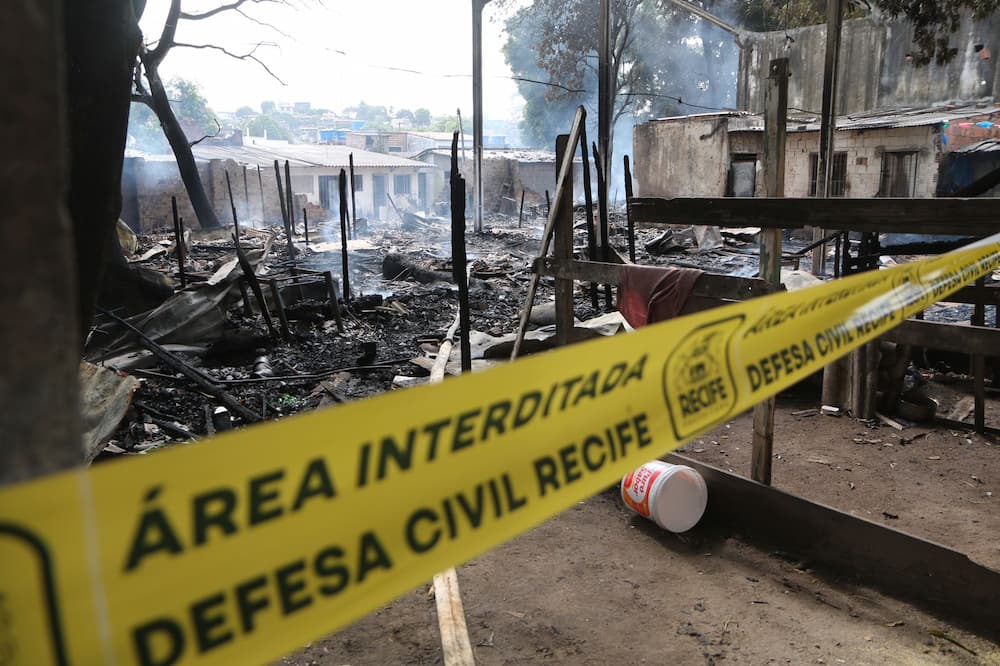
(239, 550)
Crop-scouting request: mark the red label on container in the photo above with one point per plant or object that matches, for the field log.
(635, 491)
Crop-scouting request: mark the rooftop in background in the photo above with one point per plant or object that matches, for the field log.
(798, 121)
(518, 154)
(263, 152)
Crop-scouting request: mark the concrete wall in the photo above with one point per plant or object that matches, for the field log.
(149, 184)
(687, 158)
(875, 70)
(683, 158)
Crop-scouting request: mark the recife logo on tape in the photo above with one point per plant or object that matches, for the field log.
(698, 383)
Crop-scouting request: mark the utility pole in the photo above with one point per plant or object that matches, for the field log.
(828, 122)
(477, 113)
(604, 88)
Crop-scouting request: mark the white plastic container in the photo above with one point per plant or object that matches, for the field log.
(672, 496)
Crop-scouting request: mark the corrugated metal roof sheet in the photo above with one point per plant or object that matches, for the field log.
(988, 146)
(301, 155)
(524, 155)
(893, 118)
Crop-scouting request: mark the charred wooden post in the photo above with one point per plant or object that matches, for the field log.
(251, 278)
(179, 240)
(354, 209)
(459, 259)
(520, 212)
(279, 305)
(602, 187)
(290, 221)
(246, 195)
(343, 235)
(589, 211)
(563, 250)
(770, 247)
(260, 184)
(305, 225)
(247, 308)
(281, 194)
(331, 289)
(628, 211)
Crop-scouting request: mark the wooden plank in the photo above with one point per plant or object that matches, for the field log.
(946, 337)
(984, 295)
(972, 217)
(455, 645)
(938, 578)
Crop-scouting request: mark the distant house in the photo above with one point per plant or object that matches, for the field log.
(506, 173)
(887, 153)
(150, 181)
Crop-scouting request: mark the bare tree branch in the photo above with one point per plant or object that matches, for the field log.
(246, 56)
(264, 24)
(157, 55)
(222, 8)
(218, 129)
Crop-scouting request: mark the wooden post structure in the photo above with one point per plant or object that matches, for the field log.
(775, 120)
(828, 121)
(520, 212)
(459, 259)
(343, 236)
(978, 361)
(589, 208)
(564, 178)
(600, 160)
(354, 210)
(260, 184)
(628, 213)
(563, 249)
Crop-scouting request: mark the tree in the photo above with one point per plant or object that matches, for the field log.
(404, 113)
(245, 112)
(934, 22)
(422, 117)
(149, 89)
(270, 126)
(268, 107)
(192, 111)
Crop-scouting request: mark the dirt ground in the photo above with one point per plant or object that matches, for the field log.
(597, 584)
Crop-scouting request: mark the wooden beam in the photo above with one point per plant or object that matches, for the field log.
(775, 121)
(972, 217)
(946, 337)
(938, 578)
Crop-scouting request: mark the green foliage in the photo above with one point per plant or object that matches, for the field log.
(245, 112)
(272, 125)
(935, 22)
(375, 117)
(268, 107)
(144, 132)
(422, 117)
(191, 107)
(445, 124)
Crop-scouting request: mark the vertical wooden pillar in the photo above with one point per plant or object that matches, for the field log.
(775, 120)
(39, 341)
(563, 250)
(824, 175)
(978, 364)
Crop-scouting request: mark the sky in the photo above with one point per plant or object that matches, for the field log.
(335, 54)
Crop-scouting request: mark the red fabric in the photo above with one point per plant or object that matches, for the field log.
(649, 294)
